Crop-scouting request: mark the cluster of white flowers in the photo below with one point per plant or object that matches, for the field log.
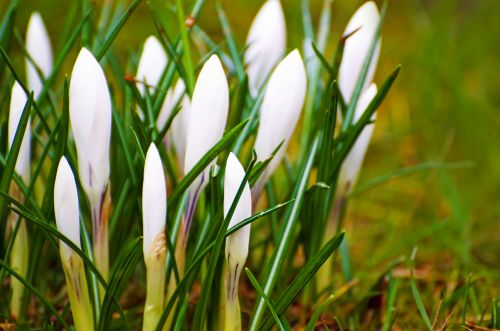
(196, 128)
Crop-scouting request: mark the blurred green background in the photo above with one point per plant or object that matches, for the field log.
(443, 107)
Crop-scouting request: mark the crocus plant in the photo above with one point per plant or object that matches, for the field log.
(20, 249)
(279, 113)
(206, 123)
(39, 65)
(238, 242)
(67, 212)
(90, 114)
(266, 43)
(362, 26)
(154, 209)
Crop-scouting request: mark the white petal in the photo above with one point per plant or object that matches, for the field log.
(66, 207)
(352, 164)
(208, 114)
(237, 243)
(356, 48)
(151, 64)
(18, 100)
(90, 114)
(171, 100)
(281, 107)
(265, 43)
(180, 124)
(154, 198)
(40, 50)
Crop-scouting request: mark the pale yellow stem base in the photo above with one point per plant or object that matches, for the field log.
(155, 283)
(77, 288)
(19, 262)
(232, 315)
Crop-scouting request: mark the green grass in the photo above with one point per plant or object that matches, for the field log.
(430, 180)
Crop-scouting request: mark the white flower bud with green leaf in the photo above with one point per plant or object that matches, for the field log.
(39, 48)
(206, 123)
(67, 213)
(280, 111)
(151, 65)
(237, 243)
(266, 43)
(351, 166)
(154, 213)
(356, 48)
(19, 256)
(18, 100)
(90, 114)
(176, 97)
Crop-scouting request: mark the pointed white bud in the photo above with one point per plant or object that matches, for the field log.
(356, 49)
(266, 43)
(154, 199)
(18, 100)
(237, 243)
(208, 114)
(176, 97)
(352, 164)
(178, 131)
(66, 207)
(40, 50)
(90, 114)
(281, 107)
(151, 65)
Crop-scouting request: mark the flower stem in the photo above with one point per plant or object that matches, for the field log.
(334, 223)
(77, 290)
(153, 309)
(232, 314)
(19, 262)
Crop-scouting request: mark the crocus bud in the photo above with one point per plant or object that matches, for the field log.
(90, 114)
(17, 102)
(19, 258)
(67, 215)
(352, 163)
(154, 203)
(176, 98)
(280, 111)
(154, 213)
(206, 123)
(366, 19)
(66, 208)
(151, 65)
(237, 243)
(265, 43)
(39, 48)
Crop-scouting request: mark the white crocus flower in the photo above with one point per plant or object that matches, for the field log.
(280, 111)
(176, 97)
(19, 258)
(366, 19)
(67, 213)
(238, 242)
(206, 123)
(154, 212)
(40, 50)
(66, 207)
(154, 200)
(18, 100)
(266, 43)
(90, 114)
(352, 163)
(152, 63)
